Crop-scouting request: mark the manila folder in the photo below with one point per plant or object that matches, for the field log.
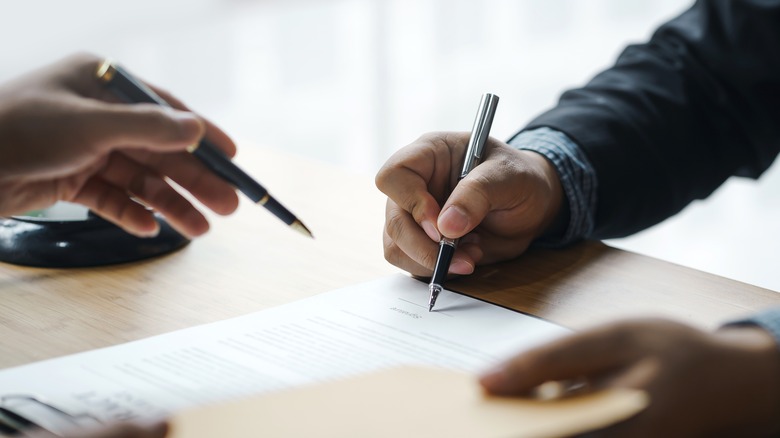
(409, 402)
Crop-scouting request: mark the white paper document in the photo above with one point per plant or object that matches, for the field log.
(333, 335)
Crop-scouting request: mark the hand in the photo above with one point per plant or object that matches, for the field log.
(65, 137)
(725, 383)
(511, 198)
(121, 430)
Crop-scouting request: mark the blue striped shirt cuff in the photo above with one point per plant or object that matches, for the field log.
(768, 320)
(578, 179)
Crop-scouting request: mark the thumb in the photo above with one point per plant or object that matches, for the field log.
(144, 126)
(482, 190)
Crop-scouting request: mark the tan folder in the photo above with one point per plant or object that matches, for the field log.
(405, 402)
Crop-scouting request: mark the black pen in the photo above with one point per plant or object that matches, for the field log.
(131, 90)
(476, 146)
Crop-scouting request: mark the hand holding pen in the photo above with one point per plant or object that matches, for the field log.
(497, 210)
(131, 90)
(66, 139)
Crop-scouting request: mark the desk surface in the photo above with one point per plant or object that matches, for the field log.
(250, 261)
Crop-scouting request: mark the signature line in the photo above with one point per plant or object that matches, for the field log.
(420, 305)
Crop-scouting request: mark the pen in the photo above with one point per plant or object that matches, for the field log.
(476, 146)
(131, 90)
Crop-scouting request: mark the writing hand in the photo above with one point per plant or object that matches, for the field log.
(64, 137)
(725, 383)
(511, 198)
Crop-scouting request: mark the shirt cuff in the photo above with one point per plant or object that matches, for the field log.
(578, 179)
(768, 320)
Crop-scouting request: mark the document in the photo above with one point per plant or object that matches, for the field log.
(358, 329)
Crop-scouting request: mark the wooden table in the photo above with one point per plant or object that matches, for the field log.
(250, 261)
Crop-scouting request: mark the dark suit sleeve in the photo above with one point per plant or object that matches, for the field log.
(675, 117)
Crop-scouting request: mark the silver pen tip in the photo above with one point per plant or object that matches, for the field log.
(434, 289)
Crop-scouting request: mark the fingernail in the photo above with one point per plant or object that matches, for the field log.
(151, 232)
(454, 220)
(430, 230)
(550, 390)
(494, 378)
(461, 267)
(191, 126)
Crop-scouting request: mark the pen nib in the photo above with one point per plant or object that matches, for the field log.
(301, 228)
(435, 289)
